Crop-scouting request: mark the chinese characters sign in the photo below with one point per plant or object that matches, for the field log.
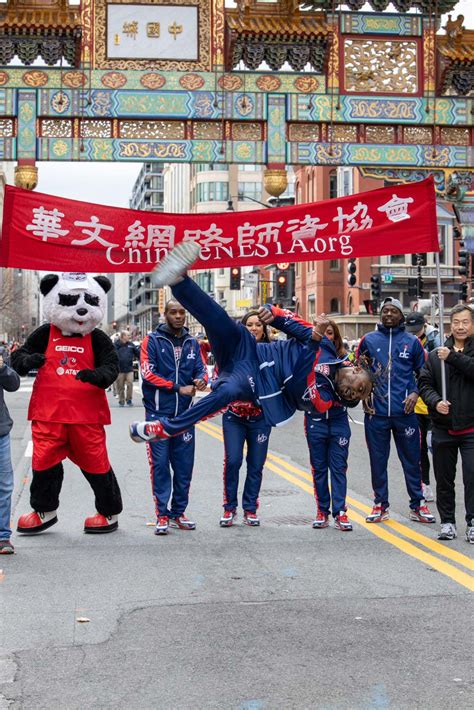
(136, 31)
(45, 232)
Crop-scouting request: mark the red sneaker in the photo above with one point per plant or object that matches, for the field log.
(422, 515)
(377, 515)
(251, 519)
(321, 520)
(181, 522)
(342, 522)
(100, 523)
(162, 525)
(227, 519)
(34, 522)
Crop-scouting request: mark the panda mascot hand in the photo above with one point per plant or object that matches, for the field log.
(68, 409)
(88, 376)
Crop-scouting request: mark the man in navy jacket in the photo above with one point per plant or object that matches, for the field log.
(172, 369)
(395, 356)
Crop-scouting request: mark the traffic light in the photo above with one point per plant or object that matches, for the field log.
(375, 287)
(282, 285)
(463, 291)
(457, 232)
(412, 288)
(352, 268)
(235, 278)
(419, 259)
(462, 260)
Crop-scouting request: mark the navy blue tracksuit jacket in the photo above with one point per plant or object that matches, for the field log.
(395, 356)
(168, 362)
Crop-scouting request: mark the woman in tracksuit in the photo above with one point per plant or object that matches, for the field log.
(243, 423)
(328, 435)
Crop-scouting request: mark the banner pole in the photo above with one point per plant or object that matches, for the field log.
(441, 324)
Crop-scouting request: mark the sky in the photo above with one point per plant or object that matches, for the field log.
(111, 183)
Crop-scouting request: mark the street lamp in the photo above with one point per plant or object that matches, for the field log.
(230, 204)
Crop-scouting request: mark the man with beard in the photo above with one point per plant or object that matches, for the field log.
(396, 356)
(172, 369)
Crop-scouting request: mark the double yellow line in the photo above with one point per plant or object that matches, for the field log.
(304, 480)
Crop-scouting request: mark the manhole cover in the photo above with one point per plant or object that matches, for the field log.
(277, 492)
(290, 520)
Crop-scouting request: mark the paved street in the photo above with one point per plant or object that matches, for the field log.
(281, 616)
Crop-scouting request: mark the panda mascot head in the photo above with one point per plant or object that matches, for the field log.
(74, 302)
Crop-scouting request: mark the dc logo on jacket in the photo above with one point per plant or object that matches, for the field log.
(404, 353)
(191, 355)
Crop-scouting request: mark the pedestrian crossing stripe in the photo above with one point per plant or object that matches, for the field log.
(285, 470)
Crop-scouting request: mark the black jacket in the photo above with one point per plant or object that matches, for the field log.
(10, 382)
(459, 387)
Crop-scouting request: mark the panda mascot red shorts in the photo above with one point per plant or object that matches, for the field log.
(68, 408)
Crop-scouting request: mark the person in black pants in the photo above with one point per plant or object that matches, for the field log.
(453, 419)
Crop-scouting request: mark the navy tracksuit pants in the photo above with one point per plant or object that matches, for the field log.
(234, 349)
(328, 442)
(378, 433)
(256, 434)
(178, 453)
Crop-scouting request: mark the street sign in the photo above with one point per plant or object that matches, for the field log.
(251, 280)
(365, 285)
(387, 278)
(283, 265)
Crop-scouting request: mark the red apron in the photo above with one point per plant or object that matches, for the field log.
(57, 395)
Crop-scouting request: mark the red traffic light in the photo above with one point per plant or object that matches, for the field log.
(281, 279)
(235, 271)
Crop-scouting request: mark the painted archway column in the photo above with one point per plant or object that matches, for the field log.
(275, 177)
(26, 172)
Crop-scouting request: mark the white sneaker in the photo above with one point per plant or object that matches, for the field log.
(470, 533)
(447, 532)
(428, 494)
(175, 264)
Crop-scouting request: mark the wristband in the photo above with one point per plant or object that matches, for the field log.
(316, 332)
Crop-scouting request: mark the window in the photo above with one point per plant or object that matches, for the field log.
(332, 184)
(334, 305)
(397, 259)
(212, 191)
(443, 244)
(335, 265)
(221, 272)
(248, 168)
(311, 305)
(250, 189)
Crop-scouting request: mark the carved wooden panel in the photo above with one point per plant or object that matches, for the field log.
(381, 66)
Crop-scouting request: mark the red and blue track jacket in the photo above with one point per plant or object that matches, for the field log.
(168, 363)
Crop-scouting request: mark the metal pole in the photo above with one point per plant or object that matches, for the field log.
(441, 325)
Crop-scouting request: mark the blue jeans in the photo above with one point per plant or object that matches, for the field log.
(6, 487)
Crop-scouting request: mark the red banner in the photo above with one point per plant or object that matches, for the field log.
(44, 232)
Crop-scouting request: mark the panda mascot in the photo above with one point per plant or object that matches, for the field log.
(76, 363)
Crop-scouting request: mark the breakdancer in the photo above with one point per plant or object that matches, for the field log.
(280, 377)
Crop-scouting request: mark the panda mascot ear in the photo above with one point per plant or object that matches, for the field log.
(103, 282)
(48, 282)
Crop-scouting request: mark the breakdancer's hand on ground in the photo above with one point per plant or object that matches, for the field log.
(265, 315)
(320, 324)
